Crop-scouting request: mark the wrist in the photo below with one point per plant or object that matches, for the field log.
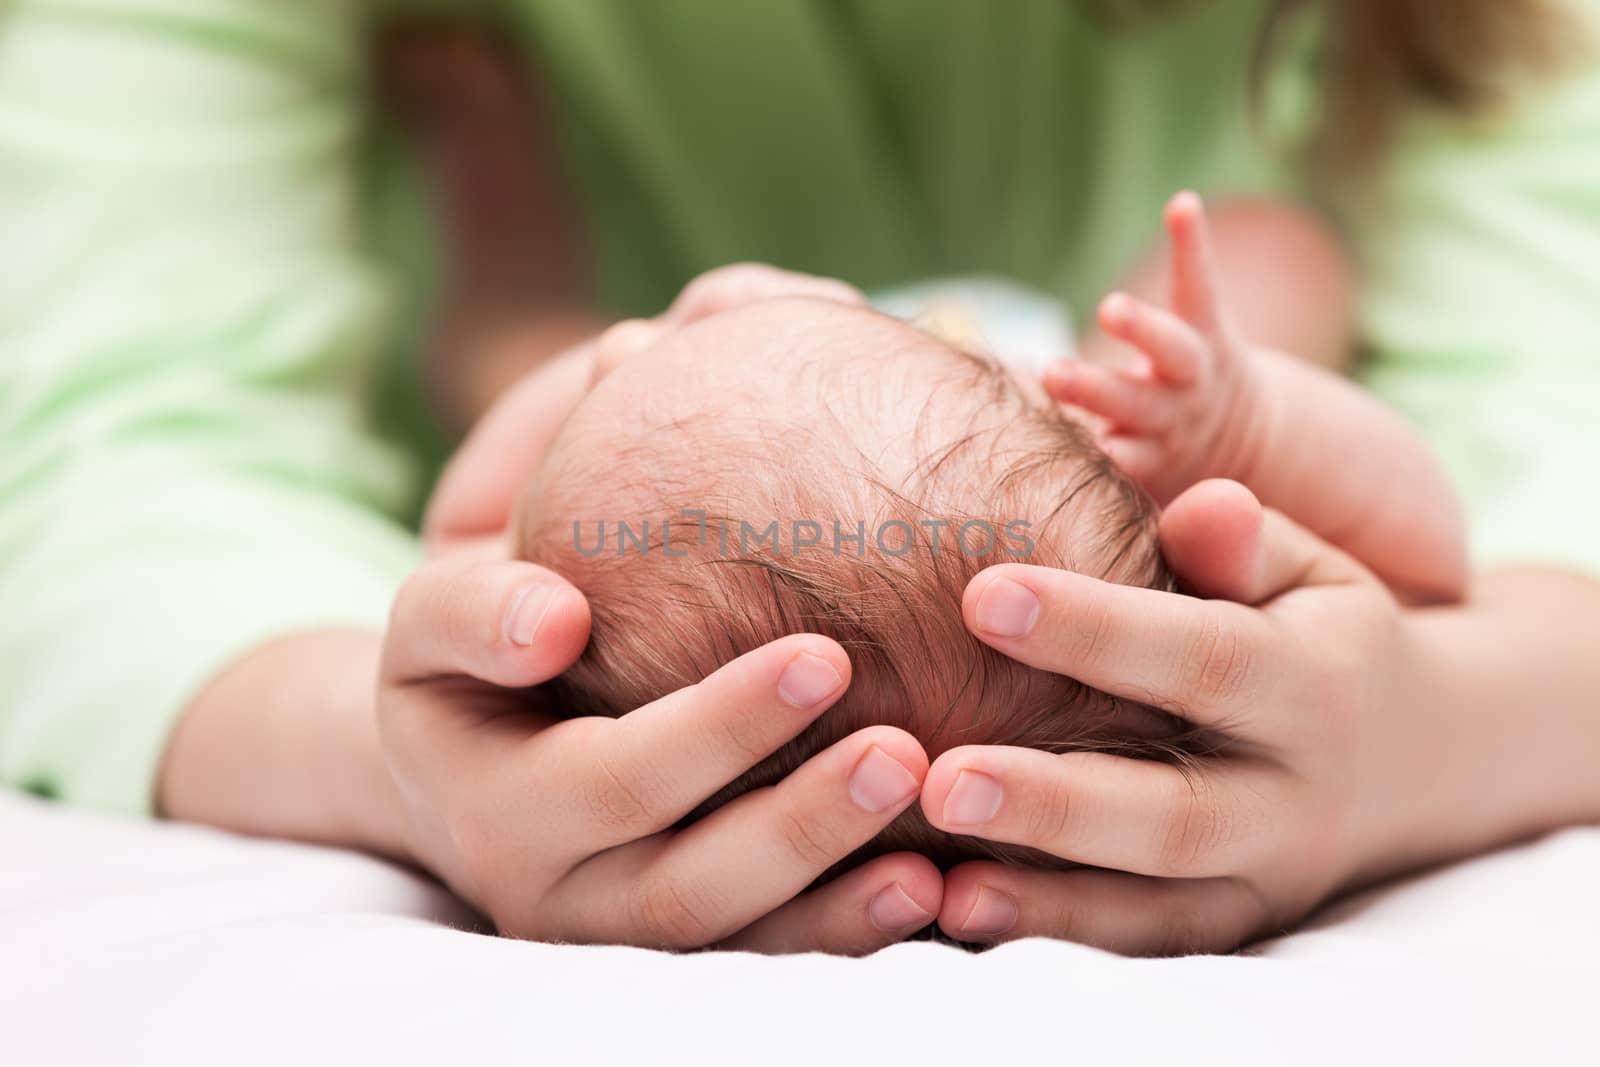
(283, 743)
(1246, 416)
(1501, 731)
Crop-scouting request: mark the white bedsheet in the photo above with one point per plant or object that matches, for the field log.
(126, 942)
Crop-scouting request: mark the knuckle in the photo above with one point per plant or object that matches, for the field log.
(1067, 921)
(1221, 662)
(616, 803)
(741, 736)
(1195, 830)
(838, 291)
(1181, 931)
(724, 287)
(813, 842)
(1236, 914)
(673, 916)
(1092, 637)
(1049, 821)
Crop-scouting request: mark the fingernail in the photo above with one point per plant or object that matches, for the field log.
(1007, 609)
(893, 911)
(992, 914)
(973, 800)
(807, 680)
(527, 614)
(879, 782)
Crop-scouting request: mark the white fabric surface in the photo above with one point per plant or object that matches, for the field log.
(126, 942)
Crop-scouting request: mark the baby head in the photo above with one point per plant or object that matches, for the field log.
(800, 466)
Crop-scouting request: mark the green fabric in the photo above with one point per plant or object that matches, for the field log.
(219, 270)
(1481, 303)
(886, 140)
(190, 325)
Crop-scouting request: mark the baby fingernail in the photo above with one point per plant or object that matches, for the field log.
(1007, 609)
(973, 800)
(527, 614)
(880, 782)
(992, 914)
(893, 911)
(807, 680)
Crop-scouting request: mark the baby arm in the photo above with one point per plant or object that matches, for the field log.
(1206, 403)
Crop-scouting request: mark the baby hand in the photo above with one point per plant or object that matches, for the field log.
(1184, 411)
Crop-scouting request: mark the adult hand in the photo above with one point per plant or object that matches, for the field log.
(567, 830)
(564, 830)
(1305, 668)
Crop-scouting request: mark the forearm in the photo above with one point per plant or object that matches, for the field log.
(1509, 709)
(284, 743)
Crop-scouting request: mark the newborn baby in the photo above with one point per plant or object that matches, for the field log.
(805, 465)
(767, 467)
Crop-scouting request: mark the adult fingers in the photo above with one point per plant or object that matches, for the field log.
(744, 283)
(624, 340)
(1103, 810)
(725, 871)
(465, 637)
(656, 764)
(1220, 540)
(883, 901)
(988, 902)
(1202, 659)
(508, 623)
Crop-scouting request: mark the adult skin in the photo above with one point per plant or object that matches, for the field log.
(561, 829)
(1365, 739)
